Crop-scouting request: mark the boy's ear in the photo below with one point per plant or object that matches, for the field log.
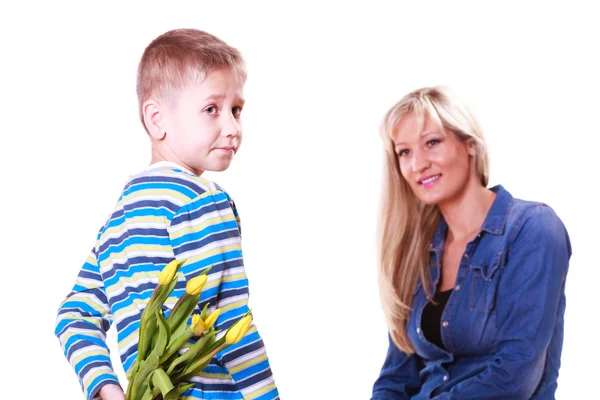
(153, 118)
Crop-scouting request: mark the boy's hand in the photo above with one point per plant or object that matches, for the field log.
(111, 392)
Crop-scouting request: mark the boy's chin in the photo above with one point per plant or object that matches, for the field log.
(218, 167)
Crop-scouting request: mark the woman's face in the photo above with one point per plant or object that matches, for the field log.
(435, 163)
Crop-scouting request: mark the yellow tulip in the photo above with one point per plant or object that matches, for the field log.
(210, 320)
(195, 285)
(238, 331)
(197, 324)
(168, 273)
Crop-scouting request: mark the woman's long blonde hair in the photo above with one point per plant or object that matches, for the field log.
(406, 225)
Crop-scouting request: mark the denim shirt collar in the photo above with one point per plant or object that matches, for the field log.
(496, 219)
(494, 222)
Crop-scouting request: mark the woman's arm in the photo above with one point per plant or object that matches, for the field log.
(529, 308)
(399, 376)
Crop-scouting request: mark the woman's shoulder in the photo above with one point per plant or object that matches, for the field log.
(533, 217)
(526, 208)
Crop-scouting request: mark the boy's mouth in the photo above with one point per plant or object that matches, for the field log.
(226, 150)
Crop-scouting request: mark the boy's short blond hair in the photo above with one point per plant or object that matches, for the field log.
(177, 58)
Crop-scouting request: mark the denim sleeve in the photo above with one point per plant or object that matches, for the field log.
(529, 310)
(399, 376)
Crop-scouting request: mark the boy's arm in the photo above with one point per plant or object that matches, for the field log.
(81, 325)
(206, 231)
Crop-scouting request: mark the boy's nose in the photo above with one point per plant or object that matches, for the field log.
(231, 128)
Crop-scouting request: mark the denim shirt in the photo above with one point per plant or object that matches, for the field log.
(503, 323)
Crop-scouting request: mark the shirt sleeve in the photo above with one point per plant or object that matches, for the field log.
(81, 325)
(529, 309)
(399, 376)
(206, 231)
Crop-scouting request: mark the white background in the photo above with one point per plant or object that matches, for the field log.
(306, 180)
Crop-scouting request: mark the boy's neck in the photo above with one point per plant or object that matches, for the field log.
(160, 159)
(166, 163)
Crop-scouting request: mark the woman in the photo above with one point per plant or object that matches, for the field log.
(471, 279)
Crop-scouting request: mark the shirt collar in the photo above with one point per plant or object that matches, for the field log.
(494, 222)
(496, 219)
(167, 164)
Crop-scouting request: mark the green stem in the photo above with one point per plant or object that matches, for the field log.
(197, 366)
(177, 344)
(177, 305)
(192, 352)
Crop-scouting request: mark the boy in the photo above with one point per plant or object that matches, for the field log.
(190, 94)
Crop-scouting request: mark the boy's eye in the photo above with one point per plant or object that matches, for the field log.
(211, 110)
(237, 111)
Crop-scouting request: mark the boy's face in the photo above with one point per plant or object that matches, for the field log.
(203, 125)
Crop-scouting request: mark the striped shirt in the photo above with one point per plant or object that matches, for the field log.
(165, 212)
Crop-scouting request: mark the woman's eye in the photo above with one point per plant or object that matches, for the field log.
(432, 142)
(403, 152)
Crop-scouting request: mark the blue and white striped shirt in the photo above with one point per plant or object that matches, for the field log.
(165, 212)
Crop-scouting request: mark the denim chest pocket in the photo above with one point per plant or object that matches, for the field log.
(484, 283)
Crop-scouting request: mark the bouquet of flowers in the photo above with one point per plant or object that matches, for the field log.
(162, 370)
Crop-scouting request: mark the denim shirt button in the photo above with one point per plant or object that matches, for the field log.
(445, 324)
(466, 256)
(457, 287)
(418, 330)
(445, 378)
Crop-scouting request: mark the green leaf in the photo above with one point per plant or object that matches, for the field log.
(192, 353)
(161, 380)
(207, 270)
(145, 337)
(204, 312)
(164, 334)
(147, 394)
(181, 330)
(176, 344)
(133, 370)
(202, 360)
(213, 338)
(160, 294)
(146, 311)
(170, 360)
(182, 311)
(184, 307)
(143, 376)
(131, 374)
(188, 373)
(179, 390)
(163, 295)
(147, 327)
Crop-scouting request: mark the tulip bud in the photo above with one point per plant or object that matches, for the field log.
(197, 324)
(212, 317)
(168, 273)
(195, 285)
(238, 330)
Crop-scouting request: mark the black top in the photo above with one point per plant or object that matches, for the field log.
(432, 316)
